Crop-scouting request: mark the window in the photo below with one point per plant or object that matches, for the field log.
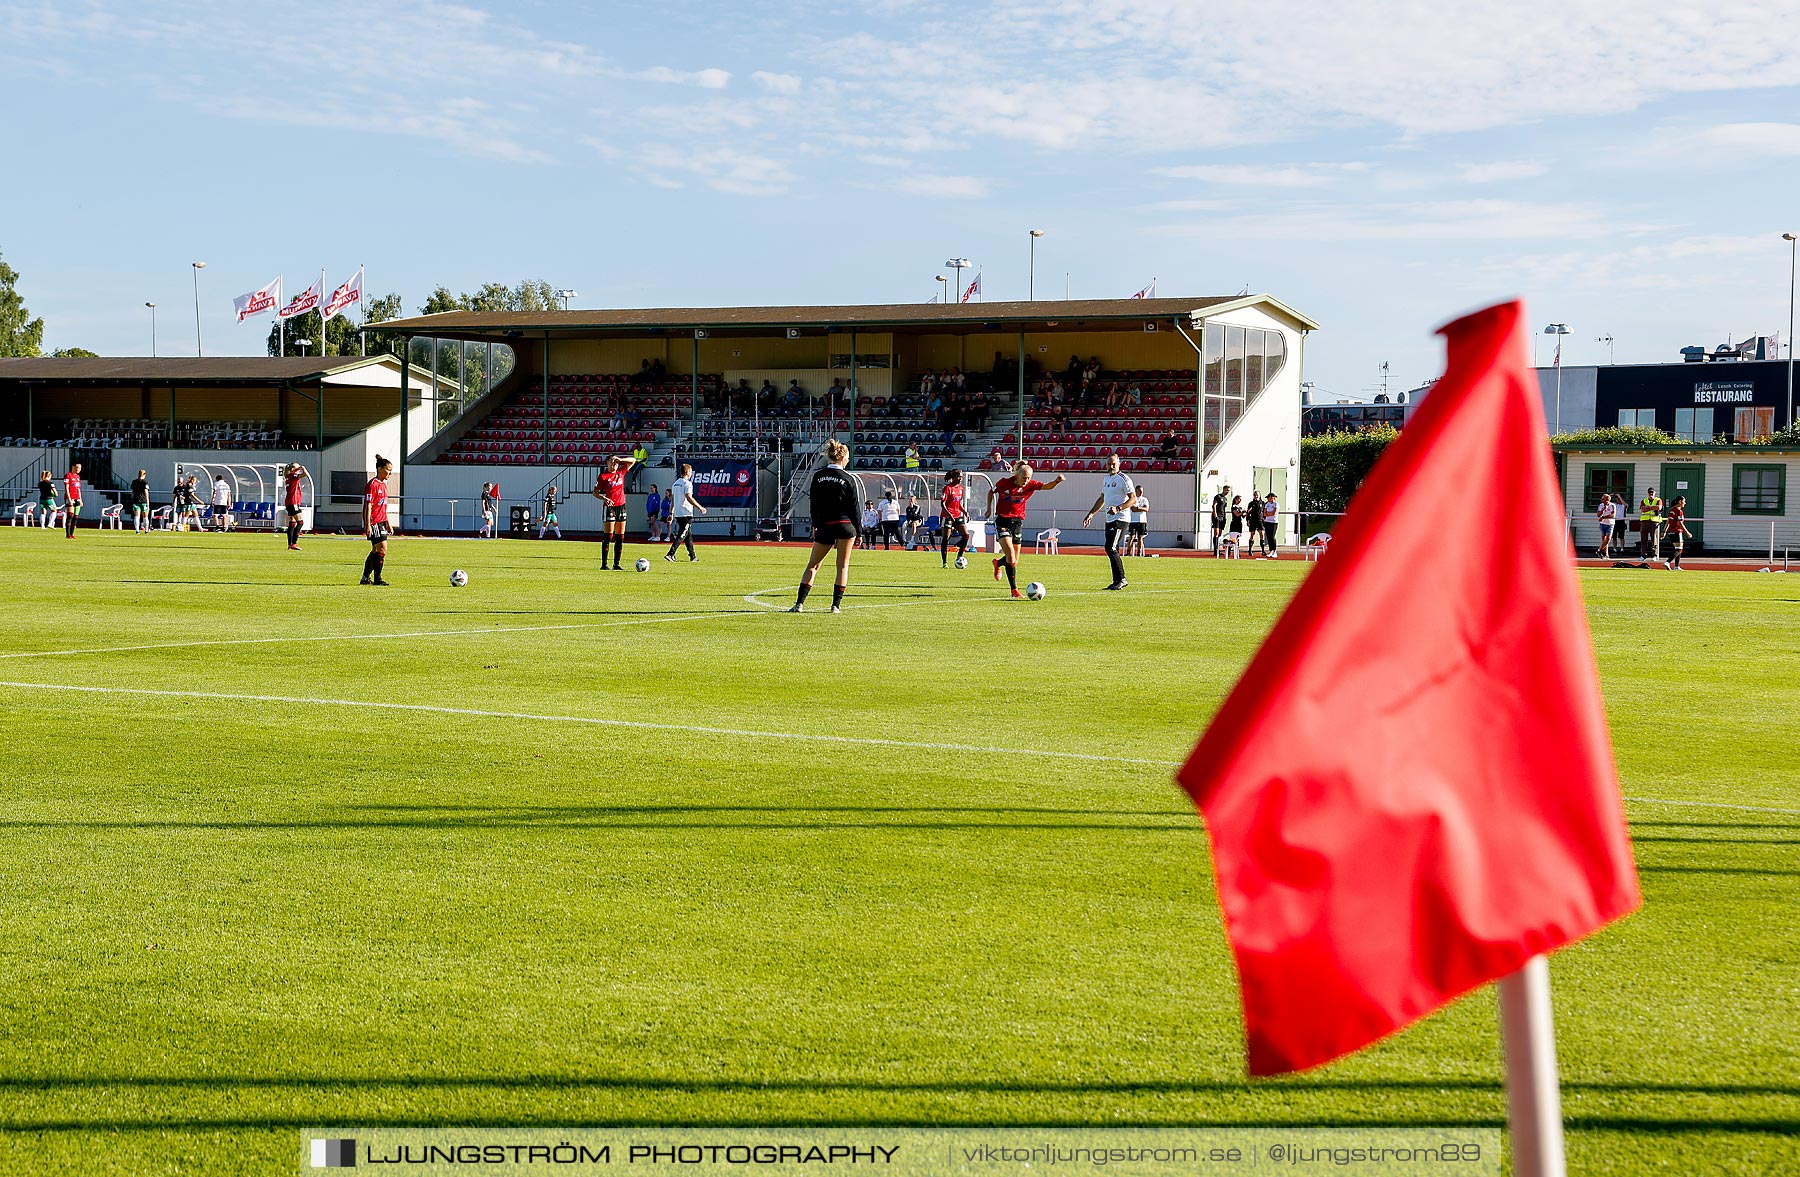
(1234, 361)
(1758, 490)
(1637, 418)
(1215, 358)
(1615, 480)
(1752, 424)
(1253, 364)
(1694, 424)
(863, 360)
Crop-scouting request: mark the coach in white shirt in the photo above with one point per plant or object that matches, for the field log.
(681, 513)
(1117, 498)
(221, 502)
(1140, 523)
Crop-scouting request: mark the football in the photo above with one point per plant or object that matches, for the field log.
(1034, 591)
(643, 565)
(962, 561)
(458, 578)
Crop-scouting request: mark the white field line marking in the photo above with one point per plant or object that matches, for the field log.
(700, 729)
(375, 637)
(752, 598)
(596, 721)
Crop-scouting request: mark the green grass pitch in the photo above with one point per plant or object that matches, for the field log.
(224, 920)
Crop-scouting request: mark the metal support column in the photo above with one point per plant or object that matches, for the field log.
(1021, 396)
(694, 387)
(852, 394)
(405, 412)
(546, 367)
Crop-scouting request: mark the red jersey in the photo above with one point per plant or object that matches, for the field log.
(1012, 497)
(72, 486)
(376, 497)
(612, 485)
(953, 502)
(293, 492)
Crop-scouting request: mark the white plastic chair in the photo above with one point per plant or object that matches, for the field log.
(53, 518)
(162, 518)
(25, 513)
(1315, 545)
(1047, 541)
(1228, 547)
(109, 517)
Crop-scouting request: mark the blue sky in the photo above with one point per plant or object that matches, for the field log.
(1627, 167)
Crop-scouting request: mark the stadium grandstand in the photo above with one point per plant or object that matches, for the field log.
(1189, 391)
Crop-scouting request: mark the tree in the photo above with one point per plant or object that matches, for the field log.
(63, 353)
(20, 335)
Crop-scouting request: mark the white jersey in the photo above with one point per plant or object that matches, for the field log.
(890, 511)
(1115, 492)
(221, 494)
(679, 492)
(1140, 513)
(871, 519)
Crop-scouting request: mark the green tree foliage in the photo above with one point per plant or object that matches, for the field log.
(20, 334)
(1333, 465)
(341, 334)
(62, 353)
(528, 296)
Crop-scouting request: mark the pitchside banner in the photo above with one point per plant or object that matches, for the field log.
(719, 482)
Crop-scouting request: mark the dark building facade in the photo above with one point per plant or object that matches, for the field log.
(1723, 401)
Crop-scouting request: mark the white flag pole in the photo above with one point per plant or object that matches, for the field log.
(320, 307)
(1533, 1096)
(362, 302)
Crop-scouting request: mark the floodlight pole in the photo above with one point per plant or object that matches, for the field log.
(199, 343)
(1533, 1098)
(152, 307)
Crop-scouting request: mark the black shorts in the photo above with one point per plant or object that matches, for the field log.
(615, 514)
(1012, 527)
(830, 533)
(293, 512)
(378, 533)
(1138, 527)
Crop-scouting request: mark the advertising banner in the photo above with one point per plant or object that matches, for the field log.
(723, 482)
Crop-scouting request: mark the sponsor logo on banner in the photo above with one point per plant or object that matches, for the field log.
(305, 301)
(720, 482)
(257, 302)
(1725, 392)
(343, 296)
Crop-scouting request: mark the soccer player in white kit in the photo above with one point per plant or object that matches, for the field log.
(1117, 498)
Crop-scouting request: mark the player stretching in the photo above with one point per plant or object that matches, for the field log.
(834, 524)
(72, 499)
(951, 500)
(140, 504)
(1009, 520)
(1117, 498)
(609, 488)
(375, 522)
(681, 506)
(296, 475)
(548, 522)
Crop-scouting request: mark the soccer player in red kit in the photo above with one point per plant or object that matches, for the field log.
(375, 521)
(71, 499)
(609, 488)
(955, 518)
(1012, 494)
(294, 496)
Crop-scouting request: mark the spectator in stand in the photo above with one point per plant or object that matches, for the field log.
(997, 460)
(928, 383)
(1134, 395)
(644, 374)
(1114, 398)
(837, 394)
(977, 416)
(1073, 371)
(1059, 416)
(1607, 516)
(792, 397)
(1169, 448)
(911, 462)
(957, 379)
(768, 396)
(640, 453)
(871, 523)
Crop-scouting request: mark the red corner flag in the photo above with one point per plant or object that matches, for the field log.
(1411, 790)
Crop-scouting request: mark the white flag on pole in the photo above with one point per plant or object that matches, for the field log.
(342, 298)
(1148, 291)
(306, 300)
(973, 290)
(258, 302)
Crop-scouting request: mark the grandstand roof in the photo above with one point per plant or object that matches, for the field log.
(909, 318)
(233, 370)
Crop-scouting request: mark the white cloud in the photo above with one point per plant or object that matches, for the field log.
(942, 187)
(1250, 175)
(1443, 220)
(723, 169)
(777, 83)
(1752, 138)
(1502, 171)
(705, 79)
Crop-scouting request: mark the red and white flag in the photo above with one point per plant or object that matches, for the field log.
(1148, 291)
(341, 298)
(258, 302)
(973, 290)
(305, 301)
(1460, 814)
(1556, 360)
